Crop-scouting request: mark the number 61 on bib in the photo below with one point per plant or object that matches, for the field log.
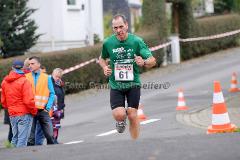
(123, 72)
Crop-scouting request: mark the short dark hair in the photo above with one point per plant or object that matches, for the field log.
(36, 58)
(124, 18)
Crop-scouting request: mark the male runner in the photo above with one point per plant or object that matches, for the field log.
(126, 52)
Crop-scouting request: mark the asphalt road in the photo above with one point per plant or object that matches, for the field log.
(88, 129)
(200, 147)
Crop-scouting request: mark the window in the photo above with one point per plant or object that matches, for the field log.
(71, 2)
(74, 5)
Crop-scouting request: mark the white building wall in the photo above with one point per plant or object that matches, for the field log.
(45, 19)
(75, 21)
(136, 2)
(66, 26)
(97, 17)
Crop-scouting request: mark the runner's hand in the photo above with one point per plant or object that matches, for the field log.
(107, 70)
(139, 61)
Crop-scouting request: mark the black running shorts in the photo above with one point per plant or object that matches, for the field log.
(117, 97)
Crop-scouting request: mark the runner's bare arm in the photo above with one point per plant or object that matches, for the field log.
(150, 62)
(102, 62)
(106, 68)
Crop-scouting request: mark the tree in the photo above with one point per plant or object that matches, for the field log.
(117, 7)
(187, 23)
(236, 6)
(187, 26)
(1, 43)
(223, 6)
(154, 17)
(17, 30)
(107, 24)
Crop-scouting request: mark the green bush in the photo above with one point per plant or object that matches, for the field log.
(223, 6)
(211, 26)
(107, 20)
(154, 19)
(152, 39)
(81, 78)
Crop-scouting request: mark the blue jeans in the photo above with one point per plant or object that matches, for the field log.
(21, 127)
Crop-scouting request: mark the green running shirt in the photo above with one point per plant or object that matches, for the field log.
(125, 73)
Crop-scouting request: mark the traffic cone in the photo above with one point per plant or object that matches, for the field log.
(233, 87)
(181, 105)
(140, 114)
(220, 119)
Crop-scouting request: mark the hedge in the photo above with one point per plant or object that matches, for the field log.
(79, 79)
(210, 26)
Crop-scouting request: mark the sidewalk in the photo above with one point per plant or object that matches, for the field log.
(203, 118)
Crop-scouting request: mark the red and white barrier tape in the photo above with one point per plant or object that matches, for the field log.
(211, 37)
(96, 60)
(160, 46)
(79, 65)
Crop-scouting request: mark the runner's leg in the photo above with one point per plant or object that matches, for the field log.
(133, 122)
(117, 100)
(133, 97)
(119, 113)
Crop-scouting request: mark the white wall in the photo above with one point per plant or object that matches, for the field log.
(137, 2)
(75, 21)
(97, 17)
(209, 6)
(47, 17)
(66, 26)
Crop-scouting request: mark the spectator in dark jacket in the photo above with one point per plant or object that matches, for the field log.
(58, 109)
(18, 98)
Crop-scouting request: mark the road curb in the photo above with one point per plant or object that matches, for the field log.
(201, 118)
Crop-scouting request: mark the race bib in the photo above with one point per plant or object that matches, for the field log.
(123, 72)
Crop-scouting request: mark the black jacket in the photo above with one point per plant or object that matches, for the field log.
(6, 117)
(59, 92)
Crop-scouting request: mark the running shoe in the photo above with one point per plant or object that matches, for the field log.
(120, 126)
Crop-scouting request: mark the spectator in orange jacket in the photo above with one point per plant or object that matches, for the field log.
(17, 96)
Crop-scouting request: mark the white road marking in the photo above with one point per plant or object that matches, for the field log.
(107, 133)
(74, 142)
(149, 121)
(115, 131)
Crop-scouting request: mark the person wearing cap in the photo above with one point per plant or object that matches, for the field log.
(43, 91)
(17, 97)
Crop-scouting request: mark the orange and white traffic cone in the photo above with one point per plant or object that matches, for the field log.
(181, 105)
(140, 114)
(220, 119)
(233, 87)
